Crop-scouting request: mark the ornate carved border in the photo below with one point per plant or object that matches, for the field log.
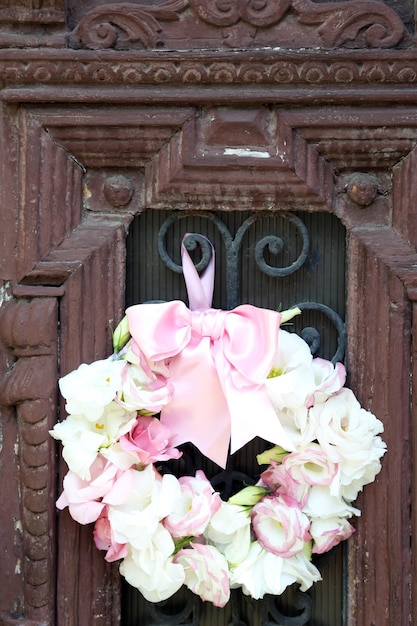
(210, 24)
(266, 74)
(68, 267)
(200, 24)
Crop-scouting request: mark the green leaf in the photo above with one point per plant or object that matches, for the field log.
(181, 543)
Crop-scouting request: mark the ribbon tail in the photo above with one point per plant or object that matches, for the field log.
(198, 411)
(252, 415)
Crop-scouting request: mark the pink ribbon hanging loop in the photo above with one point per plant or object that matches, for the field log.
(218, 362)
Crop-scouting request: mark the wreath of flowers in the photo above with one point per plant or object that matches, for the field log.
(170, 531)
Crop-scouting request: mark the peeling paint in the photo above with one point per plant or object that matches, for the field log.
(86, 192)
(5, 293)
(246, 152)
(17, 569)
(18, 525)
(16, 449)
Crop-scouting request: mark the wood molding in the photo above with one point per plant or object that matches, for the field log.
(67, 269)
(262, 72)
(379, 362)
(29, 328)
(32, 24)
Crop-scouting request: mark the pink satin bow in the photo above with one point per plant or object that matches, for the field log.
(218, 362)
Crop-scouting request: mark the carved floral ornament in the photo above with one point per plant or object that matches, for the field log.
(125, 25)
(263, 71)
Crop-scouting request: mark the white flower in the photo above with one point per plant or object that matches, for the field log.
(263, 572)
(206, 572)
(151, 569)
(90, 388)
(83, 439)
(321, 503)
(328, 532)
(303, 571)
(328, 379)
(142, 391)
(348, 434)
(291, 381)
(151, 499)
(193, 507)
(81, 442)
(280, 526)
(298, 426)
(229, 531)
(350, 487)
(299, 471)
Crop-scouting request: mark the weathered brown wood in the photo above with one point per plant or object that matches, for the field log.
(205, 24)
(179, 125)
(29, 327)
(379, 345)
(261, 76)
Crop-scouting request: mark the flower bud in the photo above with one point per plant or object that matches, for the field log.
(121, 335)
(248, 496)
(287, 315)
(273, 454)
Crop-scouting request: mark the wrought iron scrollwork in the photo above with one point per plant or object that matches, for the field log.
(274, 243)
(192, 610)
(312, 335)
(191, 242)
(272, 616)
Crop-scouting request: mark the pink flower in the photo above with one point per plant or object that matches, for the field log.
(104, 539)
(328, 378)
(299, 471)
(206, 573)
(150, 440)
(194, 508)
(310, 465)
(280, 481)
(280, 526)
(328, 532)
(84, 498)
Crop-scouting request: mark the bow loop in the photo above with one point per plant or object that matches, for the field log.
(250, 338)
(161, 330)
(218, 362)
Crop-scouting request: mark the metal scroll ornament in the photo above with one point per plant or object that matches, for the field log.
(269, 246)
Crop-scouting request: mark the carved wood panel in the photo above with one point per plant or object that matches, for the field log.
(92, 136)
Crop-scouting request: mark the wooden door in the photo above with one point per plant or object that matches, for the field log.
(114, 110)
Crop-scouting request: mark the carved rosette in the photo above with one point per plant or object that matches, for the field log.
(366, 23)
(28, 328)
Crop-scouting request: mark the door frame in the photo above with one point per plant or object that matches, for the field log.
(341, 135)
